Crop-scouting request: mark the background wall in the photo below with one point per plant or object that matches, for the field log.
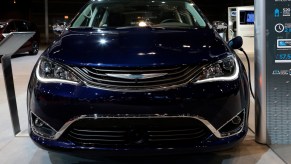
(217, 9)
(14, 9)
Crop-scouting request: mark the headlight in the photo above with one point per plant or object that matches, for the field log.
(222, 70)
(48, 71)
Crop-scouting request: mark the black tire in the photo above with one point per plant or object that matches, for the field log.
(34, 49)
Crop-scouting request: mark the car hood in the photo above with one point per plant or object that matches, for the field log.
(137, 47)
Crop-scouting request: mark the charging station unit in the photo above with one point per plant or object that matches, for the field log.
(273, 71)
(241, 23)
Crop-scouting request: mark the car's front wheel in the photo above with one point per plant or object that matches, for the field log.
(34, 49)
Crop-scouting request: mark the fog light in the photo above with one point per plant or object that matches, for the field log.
(38, 122)
(41, 128)
(236, 120)
(234, 126)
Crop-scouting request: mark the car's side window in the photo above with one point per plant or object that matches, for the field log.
(101, 17)
(196, 16)
(84, 18)
(31, 26)
(21, 26)
(10, 28)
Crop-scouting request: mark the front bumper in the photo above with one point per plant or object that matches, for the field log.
(214, 105)
(210, 145)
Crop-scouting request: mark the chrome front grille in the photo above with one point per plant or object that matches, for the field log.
(138, 78)
(176, 135)
(124, 132)
(91, 136)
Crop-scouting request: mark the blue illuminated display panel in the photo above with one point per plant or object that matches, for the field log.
(278, 71)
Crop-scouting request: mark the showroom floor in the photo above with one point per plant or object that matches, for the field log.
(20, 149)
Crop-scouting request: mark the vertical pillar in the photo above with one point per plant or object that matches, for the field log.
(9, 84)
(260, 72)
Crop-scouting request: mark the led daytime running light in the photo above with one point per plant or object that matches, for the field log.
(222, 70)
(50, 72)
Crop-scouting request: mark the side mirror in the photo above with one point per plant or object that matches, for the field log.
(219, 26)
(236, 42)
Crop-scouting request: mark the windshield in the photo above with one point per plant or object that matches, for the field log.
(139, 14)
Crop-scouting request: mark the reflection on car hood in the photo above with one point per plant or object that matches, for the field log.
(136, 47)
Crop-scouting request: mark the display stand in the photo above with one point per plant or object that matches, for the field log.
(8, 47)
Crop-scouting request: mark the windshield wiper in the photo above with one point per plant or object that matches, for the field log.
(82, 27)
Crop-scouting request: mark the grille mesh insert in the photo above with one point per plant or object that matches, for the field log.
(137, 132)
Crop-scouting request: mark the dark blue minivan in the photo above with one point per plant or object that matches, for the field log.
(138, 76)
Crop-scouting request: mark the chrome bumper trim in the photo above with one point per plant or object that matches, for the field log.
(215, 131)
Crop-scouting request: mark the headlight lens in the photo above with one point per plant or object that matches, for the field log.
(48, 71)
(222, 70)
